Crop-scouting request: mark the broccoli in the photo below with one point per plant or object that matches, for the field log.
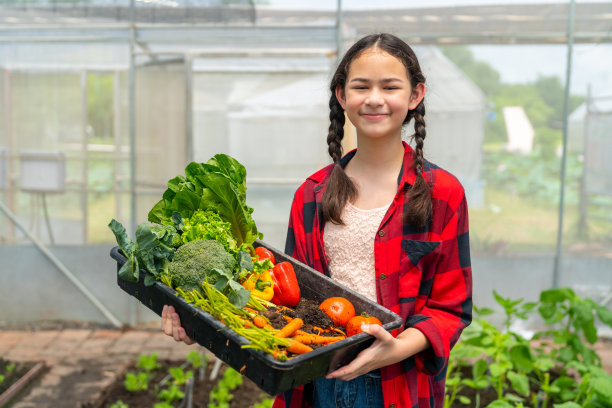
(200, 260)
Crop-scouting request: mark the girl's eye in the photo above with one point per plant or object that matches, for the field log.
(391, 88)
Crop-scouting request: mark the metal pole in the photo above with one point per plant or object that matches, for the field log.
(568, 75)
(584, 198)
(132, 122)
(84, 156)
(107, 313)
(339, 40)
(189, 153)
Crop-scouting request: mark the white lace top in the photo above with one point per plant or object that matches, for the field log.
(350, 248)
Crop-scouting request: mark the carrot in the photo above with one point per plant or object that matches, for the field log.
(262, 323)
(296, 347)
(290, 328)
(328, 330)
(279, 354)
(308, 338)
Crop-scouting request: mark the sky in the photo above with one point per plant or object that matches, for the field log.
(591, 64)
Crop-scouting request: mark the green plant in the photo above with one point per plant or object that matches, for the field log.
(180, 376)
(533, 373)
(221, 395)
(135, 382)
(196, 359)
(148, 362)
(170, 394)
(119, 404)
(265, 403)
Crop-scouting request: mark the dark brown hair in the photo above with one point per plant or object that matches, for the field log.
(340, 187)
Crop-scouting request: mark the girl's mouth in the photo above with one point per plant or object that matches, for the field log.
(374, 116)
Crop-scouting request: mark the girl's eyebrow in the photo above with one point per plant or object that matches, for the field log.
(385, 80)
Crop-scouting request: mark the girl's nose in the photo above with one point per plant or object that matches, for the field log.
(374, 98)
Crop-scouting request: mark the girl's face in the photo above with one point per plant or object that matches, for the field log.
(378, 94)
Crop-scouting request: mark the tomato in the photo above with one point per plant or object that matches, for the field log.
(354, 325)
(339, 309)
(264, 253)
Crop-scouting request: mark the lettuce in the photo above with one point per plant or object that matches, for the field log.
(219, 185)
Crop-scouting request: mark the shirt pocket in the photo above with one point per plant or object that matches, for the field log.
(418, 264)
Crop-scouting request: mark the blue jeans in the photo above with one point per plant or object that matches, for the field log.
(362, 392)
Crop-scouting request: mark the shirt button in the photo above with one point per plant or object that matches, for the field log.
(382, 276)
(381, 233)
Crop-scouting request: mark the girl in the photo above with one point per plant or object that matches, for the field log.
(390, 225)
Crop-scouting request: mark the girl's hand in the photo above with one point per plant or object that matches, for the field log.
(385, 350)
(171, 325)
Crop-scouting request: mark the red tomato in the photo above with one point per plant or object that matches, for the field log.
(264, 253)
(354, 325)
(339, 309)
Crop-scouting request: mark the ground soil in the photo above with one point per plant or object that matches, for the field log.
(245, 396)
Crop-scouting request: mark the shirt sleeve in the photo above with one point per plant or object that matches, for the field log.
(295, 244)
(448, 309)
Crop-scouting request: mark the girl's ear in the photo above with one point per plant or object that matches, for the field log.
(418, 93)
(340, 96)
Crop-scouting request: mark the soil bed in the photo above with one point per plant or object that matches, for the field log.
(244, 396)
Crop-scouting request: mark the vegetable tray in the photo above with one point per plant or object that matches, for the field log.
(271, 375)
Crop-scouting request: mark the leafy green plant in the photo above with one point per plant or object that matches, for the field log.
(170, 394)
(265, 403)
(180, 376)
(148, 362)
(533, 372)
(119, 404)
(221, 395)
(135, 382)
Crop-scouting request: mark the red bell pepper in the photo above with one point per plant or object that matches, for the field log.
(286, 289)
(264, 253)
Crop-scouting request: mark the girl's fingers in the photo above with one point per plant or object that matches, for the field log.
(166, 320)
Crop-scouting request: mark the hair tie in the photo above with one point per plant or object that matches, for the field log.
(419, 172)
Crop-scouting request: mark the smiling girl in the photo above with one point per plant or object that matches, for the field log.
(390, 225)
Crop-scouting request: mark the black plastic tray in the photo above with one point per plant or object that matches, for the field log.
(271, 375)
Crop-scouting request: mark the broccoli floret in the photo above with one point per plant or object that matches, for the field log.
(200, 260)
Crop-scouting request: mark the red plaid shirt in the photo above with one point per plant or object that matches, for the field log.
(424, 275)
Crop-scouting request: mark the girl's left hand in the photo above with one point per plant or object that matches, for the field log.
(385, 350)
(373, 357)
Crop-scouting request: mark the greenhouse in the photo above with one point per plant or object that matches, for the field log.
(103, 103)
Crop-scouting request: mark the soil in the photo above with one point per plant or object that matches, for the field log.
(244, 396)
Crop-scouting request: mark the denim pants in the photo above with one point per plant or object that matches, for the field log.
(362, 392)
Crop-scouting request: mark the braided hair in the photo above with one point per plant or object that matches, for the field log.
(340, 188)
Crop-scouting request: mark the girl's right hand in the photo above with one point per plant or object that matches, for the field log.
(171, 325)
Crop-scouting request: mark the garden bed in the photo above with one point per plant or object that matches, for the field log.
(245, 395)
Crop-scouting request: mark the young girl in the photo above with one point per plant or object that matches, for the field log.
(390, 225)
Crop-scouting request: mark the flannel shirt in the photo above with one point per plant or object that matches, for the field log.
(424, 275)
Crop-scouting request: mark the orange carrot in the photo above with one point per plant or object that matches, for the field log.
(262, 323)
(329, 330)
(296, 347)
(308, 338)
(279, 354)
(290, 328)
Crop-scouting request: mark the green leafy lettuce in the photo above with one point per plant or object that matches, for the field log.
(218, 186)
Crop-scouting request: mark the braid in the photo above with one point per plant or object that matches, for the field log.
(340, 188)
(336, 129)
(419, 208)
(419, 135)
